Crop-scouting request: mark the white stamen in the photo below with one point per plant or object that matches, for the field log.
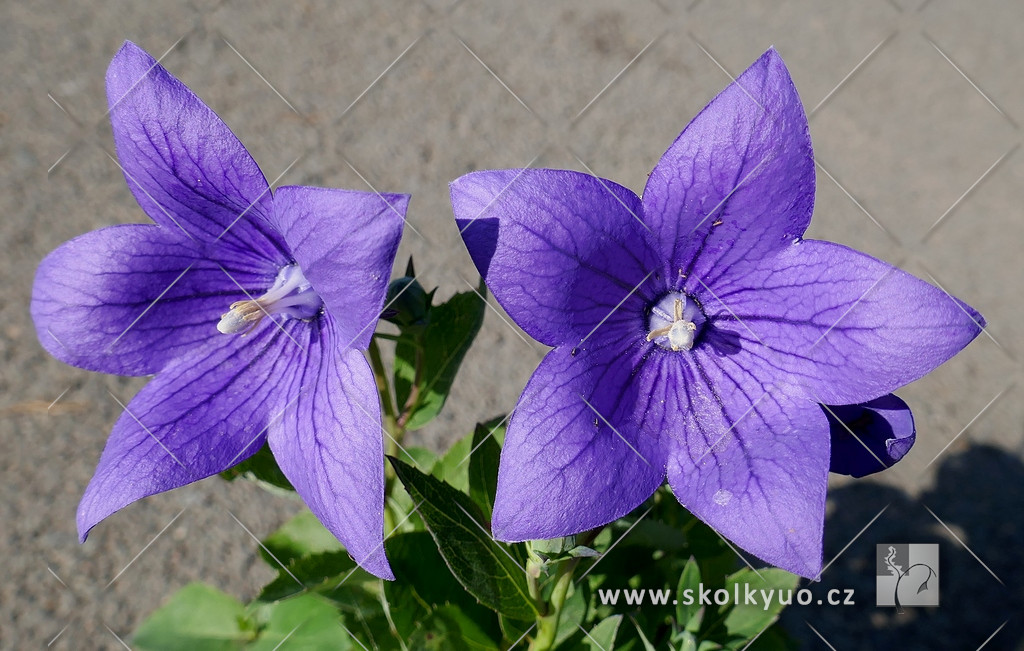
(291, 296)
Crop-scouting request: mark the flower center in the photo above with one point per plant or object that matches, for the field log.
(291, 296)
(675, 322)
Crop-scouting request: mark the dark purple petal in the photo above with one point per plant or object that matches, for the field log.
(329, 444)
(129, 299)
(738, 183)
(345, 243)
(184, 166)
(869, 437)
(846, 326)
(751, 462)
(204, 412)
(577, 454)
(559, 250)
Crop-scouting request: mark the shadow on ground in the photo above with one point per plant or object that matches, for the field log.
(979, 495)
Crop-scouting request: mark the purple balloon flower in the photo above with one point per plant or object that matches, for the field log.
(293, 282)
(695, 331)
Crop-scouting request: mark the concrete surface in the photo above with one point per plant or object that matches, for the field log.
(915, 111)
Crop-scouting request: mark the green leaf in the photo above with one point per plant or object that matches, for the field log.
(425, 583)
(321, 572)
(483, 464)
(689, 616)
(436, 352)
(262, 468)
(308, 621)
(196, 618)
(484, 567)
(574, 612)
(303, 535)
(450, 629)
(453, 467)
(602, 636)
(747, 620)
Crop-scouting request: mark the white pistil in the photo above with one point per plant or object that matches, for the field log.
(681, 332)
(291, 295)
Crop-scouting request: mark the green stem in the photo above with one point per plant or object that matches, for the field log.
(391, 425)
(547, 622)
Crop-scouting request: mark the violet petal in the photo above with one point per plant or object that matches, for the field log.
(738, 182)
(559, 250)
(754, 467)
(128, 299)
(846, 326)
(185, 167)
(566, 465)
(871, 436)
(345, 243)
(328, 442)
(205, 412)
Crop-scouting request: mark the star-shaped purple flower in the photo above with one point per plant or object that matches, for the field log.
(695, 332)
(252, 309)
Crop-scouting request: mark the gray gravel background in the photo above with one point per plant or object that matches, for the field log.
(914, 117)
